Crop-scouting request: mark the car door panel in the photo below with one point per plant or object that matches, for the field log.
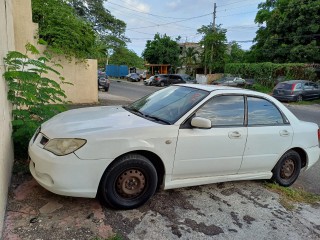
(264, 147)
(209, 152)
(216, 151)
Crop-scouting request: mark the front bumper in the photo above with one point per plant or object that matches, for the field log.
(65, 175)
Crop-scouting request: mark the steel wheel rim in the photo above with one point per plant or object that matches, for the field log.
(287, 169)
(130, 183)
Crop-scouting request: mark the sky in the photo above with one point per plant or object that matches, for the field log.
(183, 17)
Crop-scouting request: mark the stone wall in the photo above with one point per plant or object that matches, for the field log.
(6, 147)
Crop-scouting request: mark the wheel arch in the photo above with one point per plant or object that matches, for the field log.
(152, 157)
(302, 154)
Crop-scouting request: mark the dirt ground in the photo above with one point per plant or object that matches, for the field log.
(235, 210)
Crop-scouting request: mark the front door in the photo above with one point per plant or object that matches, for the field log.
(217, 151)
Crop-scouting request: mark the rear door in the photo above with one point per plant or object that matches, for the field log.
(269, 135)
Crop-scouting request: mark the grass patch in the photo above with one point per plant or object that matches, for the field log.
(311, 102)
(290, 196)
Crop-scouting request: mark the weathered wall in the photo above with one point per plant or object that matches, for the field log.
(83, 76)
(6, 148)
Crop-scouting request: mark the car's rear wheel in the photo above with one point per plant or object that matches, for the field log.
(299, 98)
(162, 84)
(287, 169)
(129, 182)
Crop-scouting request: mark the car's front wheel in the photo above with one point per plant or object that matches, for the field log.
(287, 169)
(129, 182)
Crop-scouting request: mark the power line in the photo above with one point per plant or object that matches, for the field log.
(187, 19)
(233, 3)
(237, 14)
(151, 14)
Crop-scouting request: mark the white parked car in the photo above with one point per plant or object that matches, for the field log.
(182, 135)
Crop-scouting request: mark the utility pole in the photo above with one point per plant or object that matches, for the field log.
(213, 29)
(214, 16)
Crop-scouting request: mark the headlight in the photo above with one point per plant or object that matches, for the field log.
(64, 146)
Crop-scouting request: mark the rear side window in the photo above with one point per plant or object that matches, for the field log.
(263, 112)
(224, 111)
(298, 86)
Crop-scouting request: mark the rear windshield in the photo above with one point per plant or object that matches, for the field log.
(286, 86)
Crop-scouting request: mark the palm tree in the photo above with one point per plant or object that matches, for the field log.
(189, 58)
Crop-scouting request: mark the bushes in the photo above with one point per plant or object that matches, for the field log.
(35, 97)
(267, 74)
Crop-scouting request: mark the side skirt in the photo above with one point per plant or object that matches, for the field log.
(208, 180)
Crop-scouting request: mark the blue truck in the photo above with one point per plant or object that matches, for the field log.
(117, 71)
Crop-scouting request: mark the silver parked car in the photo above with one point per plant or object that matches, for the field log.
(230, 81)
(296, 90)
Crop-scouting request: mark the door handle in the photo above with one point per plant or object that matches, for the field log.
(234, 134)
(284, 133)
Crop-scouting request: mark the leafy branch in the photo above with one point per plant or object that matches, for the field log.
(34, 96)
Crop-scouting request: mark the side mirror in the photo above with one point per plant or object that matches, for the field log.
(200, 122)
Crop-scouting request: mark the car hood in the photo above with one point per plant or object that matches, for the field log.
(86, 121)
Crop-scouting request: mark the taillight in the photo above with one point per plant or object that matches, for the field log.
(319, 134)
(292, 88)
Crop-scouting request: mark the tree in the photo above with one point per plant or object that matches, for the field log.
(124, 56)
(289, 31)
(162, 50)
(214, 42)
(63, 31)
(109, 29)
(81, 29)
(189, 59)
(235, 53)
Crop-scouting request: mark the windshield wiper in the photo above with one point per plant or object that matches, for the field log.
(137, 112)
(158, 119)
(133, 110)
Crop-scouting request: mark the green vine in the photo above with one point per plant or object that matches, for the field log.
(34, 96)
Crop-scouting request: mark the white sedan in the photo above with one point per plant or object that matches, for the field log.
(183, 135)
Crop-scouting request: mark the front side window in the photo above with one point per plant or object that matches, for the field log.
(224, 111)
(263, 112)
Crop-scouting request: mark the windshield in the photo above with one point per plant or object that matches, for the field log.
(168, 104)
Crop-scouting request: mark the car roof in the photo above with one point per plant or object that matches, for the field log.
(223, 89)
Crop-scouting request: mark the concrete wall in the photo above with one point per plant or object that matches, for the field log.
(83, 76)
(6, 148)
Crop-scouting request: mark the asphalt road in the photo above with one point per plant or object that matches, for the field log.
(122, 92)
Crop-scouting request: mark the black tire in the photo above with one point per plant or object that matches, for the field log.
(162, 84)
(106, 89)
(128, 183)
(287, 169)
(299, 98)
